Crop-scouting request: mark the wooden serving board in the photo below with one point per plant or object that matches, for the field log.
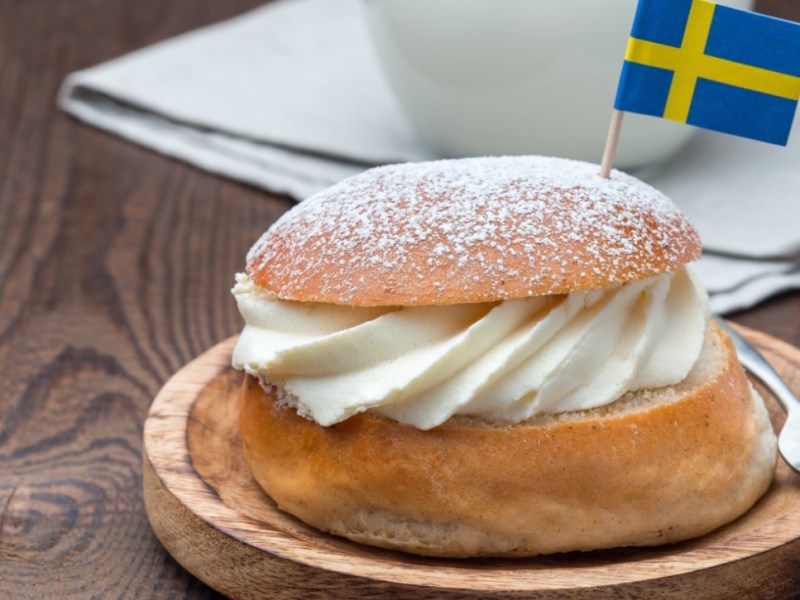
(212, 517)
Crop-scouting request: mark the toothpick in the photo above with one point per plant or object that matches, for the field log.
(611, 143)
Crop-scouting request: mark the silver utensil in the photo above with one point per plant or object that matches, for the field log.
(757, 365)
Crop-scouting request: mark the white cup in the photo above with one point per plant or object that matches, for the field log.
(496, 77)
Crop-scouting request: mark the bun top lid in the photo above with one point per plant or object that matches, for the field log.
(471, 230)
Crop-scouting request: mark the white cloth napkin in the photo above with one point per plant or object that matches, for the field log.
(289, 97)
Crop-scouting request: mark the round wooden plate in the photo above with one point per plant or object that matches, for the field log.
(211, 516)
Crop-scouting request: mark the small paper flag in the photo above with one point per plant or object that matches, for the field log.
(714, 67)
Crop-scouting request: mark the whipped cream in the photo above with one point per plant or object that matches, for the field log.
(505, 360)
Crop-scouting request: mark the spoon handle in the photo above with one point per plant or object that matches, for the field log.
(757, 365)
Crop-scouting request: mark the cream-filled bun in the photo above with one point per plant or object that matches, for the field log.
(493, 357)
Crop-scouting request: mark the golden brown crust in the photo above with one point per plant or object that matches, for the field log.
(471, 230)
(636, 475)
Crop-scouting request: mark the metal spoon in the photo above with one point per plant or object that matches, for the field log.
(757, 365)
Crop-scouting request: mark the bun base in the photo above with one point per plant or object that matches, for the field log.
(654, 467)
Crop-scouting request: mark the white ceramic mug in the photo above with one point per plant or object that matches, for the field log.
(516, 76)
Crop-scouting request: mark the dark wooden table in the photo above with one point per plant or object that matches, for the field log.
(115, 266)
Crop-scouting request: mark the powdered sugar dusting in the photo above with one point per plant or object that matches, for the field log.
(471, 230)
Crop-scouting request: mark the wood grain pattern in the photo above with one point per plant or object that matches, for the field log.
(115, 265)
(212, 516)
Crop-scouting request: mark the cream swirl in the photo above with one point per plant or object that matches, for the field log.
(507, 360)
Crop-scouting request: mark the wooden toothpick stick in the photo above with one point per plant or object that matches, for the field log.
(611, 143)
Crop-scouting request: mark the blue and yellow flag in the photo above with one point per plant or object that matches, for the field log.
(714, 67)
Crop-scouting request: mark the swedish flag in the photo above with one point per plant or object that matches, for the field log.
(714, 67)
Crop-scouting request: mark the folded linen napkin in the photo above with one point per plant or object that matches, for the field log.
(289, 97)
